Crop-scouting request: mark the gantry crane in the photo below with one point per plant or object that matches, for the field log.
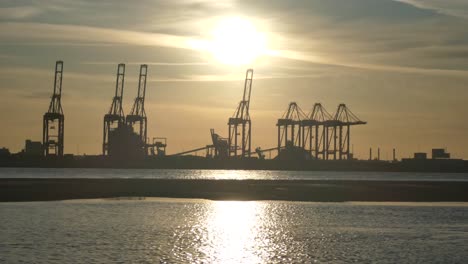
(289, 127)
(53, 121)
(344, 119)
(315, 131)
(137, 116)
(241, 121)
(115, 117)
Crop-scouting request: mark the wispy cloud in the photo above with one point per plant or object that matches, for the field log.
(19, 12)
(148, 63)
(302, 56)
(73, 33)
(89, 35)
(456, 8)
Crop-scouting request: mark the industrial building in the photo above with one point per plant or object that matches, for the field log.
(33, 148)
(127, 136)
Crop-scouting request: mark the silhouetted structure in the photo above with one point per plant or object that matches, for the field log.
(33, 148)
(319, 134)
(53, 121)
(289, 127)
(220, 145)
(4, 152)
(420, 155)
(314, 131)
(291, 135)
(158, 146)
(123, 143)
(115, 117)
(241, 121)
(344, 119)
(137, 116)
(300, 136)
(440, 154)
(240, 133)
(338, 133)
(120, 138)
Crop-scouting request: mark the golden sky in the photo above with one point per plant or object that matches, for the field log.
(402, 66)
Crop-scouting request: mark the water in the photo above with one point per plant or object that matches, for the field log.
(226, 174)
(200, 231)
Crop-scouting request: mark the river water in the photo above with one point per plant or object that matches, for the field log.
(157, 230)
(225, 174)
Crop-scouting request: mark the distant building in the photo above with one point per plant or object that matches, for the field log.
(440, 154)
(420, 155)
(33, 148)
(4, 152)
(125, 143)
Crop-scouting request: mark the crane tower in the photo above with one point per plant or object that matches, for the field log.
(315, 131)
(240, 123)
(115, 117)
(53, 121)
(344, 119)
(289, 127)
(137, 116)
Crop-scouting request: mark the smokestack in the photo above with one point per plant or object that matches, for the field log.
(370, 154)
(378, 154)
(394, 155)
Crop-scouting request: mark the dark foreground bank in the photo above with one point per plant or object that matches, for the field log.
(193, 162)
(323, 191)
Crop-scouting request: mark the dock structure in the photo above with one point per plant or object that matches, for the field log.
(316, 135)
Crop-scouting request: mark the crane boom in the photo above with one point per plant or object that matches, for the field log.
(55, 104)
(138, 108)
(241, 121)
(137, 117)
(247, 92)
(115, 117)
(116, 107)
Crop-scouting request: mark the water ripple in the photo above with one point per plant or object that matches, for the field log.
(197, 231)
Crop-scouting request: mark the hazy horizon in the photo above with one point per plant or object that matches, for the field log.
(402, 66)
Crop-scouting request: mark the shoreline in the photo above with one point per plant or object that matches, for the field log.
(28, 189)
(191, 162)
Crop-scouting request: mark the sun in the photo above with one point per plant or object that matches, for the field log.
(235, 41)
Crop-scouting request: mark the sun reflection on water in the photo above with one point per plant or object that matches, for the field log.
(233, 231)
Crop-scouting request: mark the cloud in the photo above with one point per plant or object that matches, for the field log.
(84, 34)
(148, 63)
(427, 43)
(302, 56)
(456, 8)
(299, 33)
(19, 12)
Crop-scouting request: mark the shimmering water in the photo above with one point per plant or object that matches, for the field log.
(226, 174)
(199, 231)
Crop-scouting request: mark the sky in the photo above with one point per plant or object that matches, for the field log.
(402, 66)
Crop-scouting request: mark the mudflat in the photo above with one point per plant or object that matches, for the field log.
(289, 190)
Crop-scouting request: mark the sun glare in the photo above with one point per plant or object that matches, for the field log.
(237, 42)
